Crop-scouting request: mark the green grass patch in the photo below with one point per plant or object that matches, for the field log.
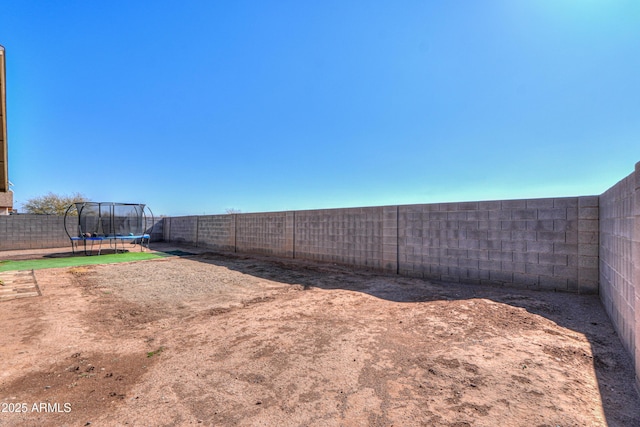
(39, 264)
(153, 353)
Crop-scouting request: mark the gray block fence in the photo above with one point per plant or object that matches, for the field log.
(619, 261)
(32, 232)
(536, 243)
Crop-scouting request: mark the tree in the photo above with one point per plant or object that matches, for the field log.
(231, 211)
(52, 204)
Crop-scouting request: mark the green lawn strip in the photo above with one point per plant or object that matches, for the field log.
(38, 264)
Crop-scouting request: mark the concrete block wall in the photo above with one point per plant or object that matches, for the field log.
(182, 229)
(347, 236)
(32, 232)
(155, 230)
(619, 260)
(264, 233)
(390, 240)
(217, 232)
(535, 243)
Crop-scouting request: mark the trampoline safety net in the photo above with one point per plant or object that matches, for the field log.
(107, 220)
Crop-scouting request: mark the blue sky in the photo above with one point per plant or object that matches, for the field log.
(199, 106)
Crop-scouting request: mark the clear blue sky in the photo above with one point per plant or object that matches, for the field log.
(198, 106)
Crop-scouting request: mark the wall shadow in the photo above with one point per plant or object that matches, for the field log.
(582, 314)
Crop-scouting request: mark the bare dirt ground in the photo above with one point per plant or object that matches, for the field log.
(226, 340)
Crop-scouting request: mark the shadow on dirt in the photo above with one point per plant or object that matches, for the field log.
(583, 314)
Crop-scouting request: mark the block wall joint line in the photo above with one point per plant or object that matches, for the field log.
(167, 227)
(197, 229)
(235, 232)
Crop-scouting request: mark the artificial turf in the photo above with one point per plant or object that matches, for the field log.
(38, 264)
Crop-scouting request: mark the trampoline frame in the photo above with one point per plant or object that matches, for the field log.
(110, 235)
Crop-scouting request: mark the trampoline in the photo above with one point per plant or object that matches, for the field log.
(117, 223)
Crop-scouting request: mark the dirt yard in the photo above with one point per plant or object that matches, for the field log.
(225, 340)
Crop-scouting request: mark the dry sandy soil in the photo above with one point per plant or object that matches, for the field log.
(226, 340)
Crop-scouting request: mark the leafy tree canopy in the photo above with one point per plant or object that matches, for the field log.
(52, 204)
